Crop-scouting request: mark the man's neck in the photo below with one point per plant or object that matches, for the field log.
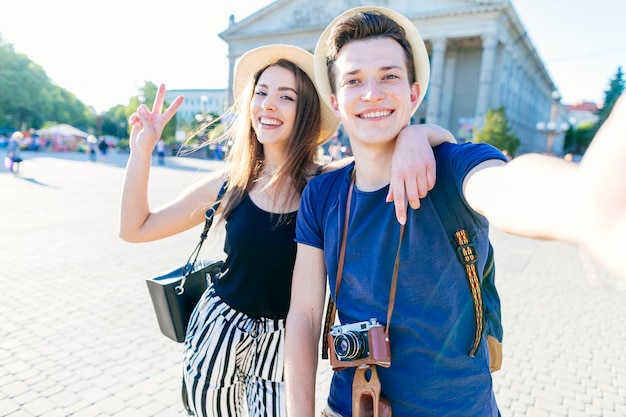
(373, 166)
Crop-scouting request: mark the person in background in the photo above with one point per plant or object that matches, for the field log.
(372, 68)
(233, 350)
(13, 152)
(92, 143)
(334, 148)
(160, 147)
(103, 146)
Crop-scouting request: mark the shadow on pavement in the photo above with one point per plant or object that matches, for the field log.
(119, 160)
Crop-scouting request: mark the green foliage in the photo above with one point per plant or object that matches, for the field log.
(123, 144)
(28, 98)
(616, 88)
(114, 122)
(149, 91)
(578, 140)
(497, 132)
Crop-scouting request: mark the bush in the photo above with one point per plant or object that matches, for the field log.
(497, 132)
(122, 145)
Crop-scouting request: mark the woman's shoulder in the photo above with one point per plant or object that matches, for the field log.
(330, 181)
(336, 165)
(209, 184)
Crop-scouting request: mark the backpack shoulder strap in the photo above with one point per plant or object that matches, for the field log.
(449, 205)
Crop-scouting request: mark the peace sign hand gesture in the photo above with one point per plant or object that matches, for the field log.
(147, 126)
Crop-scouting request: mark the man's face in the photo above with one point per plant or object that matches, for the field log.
(374, 97)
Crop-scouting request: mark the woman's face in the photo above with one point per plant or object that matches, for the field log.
(273, 106)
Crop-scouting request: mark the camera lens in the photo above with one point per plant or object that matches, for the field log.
(349, 345)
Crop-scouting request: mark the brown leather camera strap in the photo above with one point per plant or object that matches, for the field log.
(331, 309)
(366, 398)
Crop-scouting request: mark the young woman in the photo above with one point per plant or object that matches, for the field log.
(234, 345)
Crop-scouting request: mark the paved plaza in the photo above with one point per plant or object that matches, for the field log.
(78, 335)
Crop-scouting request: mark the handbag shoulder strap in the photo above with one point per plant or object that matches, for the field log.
(187, 269)
(208, 221)
(210, 213)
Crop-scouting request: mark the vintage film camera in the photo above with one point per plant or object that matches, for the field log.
(356, 344)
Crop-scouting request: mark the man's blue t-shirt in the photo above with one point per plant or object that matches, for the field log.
(433, 321)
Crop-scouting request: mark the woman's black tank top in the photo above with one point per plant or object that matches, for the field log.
(260, 256)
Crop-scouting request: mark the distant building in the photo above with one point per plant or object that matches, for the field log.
(585, 111)
(481, 58)
(197, 102)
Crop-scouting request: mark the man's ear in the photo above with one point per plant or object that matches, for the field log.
(334, 105)
(415, 94)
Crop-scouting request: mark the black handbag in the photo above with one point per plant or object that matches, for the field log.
(175, 293)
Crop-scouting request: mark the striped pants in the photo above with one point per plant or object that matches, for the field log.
(233, 365)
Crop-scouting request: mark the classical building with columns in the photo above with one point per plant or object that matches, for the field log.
(481, 58)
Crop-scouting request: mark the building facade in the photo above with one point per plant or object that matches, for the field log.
(197, 104)
(481, 58)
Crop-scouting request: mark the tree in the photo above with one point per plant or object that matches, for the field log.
(497, 132)
(29, 99)
(577, 140)
(616, 88)
(114, 122)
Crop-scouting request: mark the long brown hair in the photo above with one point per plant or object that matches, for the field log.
(245, 159)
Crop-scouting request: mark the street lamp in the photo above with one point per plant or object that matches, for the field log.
(122, 129)
(203, 116)
(553, 127)
(203, 100)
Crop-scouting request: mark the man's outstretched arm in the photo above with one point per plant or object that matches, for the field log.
(541, 196)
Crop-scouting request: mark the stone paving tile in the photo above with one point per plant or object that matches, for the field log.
(78, 336)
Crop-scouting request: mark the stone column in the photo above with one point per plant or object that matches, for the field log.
(448, 89)
(487, 68)
(437, 68)
(231, 76)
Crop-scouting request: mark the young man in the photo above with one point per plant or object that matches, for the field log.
(372, 67)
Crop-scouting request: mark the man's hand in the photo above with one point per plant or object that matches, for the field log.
(413, 169)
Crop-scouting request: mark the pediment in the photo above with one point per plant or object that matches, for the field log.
(284, 16)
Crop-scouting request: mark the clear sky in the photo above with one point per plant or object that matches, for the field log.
(103, 51)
